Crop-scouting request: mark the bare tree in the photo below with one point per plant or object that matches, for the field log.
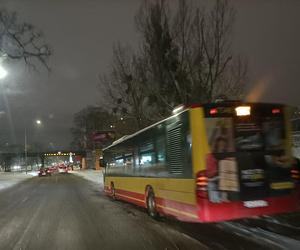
(21, 41)
(232, 81)
(160, 53)
(88, 121)
(123, 87)
(217, 68)
(185, 56)
(189, 53)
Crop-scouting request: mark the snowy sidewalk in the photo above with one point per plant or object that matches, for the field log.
(95, 176)
(9, 179)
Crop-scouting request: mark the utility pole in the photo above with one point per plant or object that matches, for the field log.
(25, 148)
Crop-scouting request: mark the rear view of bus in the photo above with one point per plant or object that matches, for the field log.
(248, 163)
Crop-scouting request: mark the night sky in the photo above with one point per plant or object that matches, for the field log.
(82, 33)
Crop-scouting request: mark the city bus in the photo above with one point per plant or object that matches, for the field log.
(296, 150)
(207, 163)
(296, 137)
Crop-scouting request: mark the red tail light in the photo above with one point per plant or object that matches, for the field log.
(275, 111)
(201, 184)
(213, 111)
(295, 174)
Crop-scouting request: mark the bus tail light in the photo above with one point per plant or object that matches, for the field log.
(275, 111)
(213, 111)
(201, 184)
(295, 174)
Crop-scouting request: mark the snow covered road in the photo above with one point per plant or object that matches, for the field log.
(9, 179)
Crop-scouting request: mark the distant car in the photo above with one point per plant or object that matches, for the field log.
(63, 169)
(53, 169)
(44, 172)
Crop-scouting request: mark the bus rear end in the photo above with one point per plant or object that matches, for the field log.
(249, 168)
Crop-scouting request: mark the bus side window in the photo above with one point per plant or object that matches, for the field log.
(161, 168)
(119, 162)
(128, 161)
(147, 159)
(136, 159)
(161, 150)
(147, 155)
(107, 162)
(110, 162)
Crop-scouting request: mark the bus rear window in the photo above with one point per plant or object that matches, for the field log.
(259, 134)
(274, 133)
(248, 135)
(220, 134)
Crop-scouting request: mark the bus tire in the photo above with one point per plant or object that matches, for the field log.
(113, 191)
(151, 205)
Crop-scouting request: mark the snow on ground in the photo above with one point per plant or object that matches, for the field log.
(268, 238)
(95, 176)
(8, 179)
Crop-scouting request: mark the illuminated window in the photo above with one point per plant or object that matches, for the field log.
(147, 159)
(161, 150)
(120, 162)
(128, 161)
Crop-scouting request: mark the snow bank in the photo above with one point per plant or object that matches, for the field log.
(94, 176)
(12, 178)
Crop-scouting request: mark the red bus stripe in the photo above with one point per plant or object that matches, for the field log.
(133, 197)
(166, 206)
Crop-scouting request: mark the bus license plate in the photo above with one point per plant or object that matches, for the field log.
(257, 203)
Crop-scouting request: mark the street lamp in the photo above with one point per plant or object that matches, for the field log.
(38, 122)
(3, 72)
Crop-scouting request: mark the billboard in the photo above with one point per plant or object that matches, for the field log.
(103, 138)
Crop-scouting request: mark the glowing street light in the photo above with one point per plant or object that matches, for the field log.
(3, 72)
(38, 122)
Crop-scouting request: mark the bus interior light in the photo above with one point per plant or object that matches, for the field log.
(178, 109)
(243, 110)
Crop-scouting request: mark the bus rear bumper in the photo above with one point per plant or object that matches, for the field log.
(214, 212)
(206, 211)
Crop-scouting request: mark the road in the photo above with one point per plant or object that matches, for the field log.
(65, 211)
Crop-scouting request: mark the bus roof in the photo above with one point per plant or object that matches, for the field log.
(187, 107)
(126, 137)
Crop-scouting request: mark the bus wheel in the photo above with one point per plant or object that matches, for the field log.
(151, 205)
(113, 191)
